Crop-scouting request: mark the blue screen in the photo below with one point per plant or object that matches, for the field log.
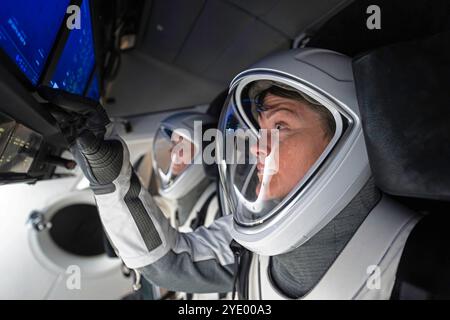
(93, 91)
(28, 30)
(77, 60)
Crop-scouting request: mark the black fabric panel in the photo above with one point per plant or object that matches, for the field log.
(423, 272)
(347, 32)
(143, 221)
(404, 101)
(298, 271)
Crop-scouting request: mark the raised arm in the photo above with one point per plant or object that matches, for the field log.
(200, 261)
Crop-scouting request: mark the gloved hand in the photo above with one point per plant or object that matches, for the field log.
(100, 160)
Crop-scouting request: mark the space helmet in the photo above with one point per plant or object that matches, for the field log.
(177, 153)
(297, 154)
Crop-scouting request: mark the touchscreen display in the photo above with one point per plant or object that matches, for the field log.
(77, 60)
(28, 31)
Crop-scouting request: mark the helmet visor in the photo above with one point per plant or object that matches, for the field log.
(274, 138)
(174, 153)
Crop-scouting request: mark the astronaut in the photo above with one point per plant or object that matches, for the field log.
(187, 195)
(306, 222)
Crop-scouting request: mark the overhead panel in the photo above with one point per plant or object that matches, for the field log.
(219, 24)
(145, 84)
(293, 16)
(169, 25)
(255, 7)
(255, 41)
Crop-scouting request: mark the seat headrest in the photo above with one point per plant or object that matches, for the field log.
(404, 98)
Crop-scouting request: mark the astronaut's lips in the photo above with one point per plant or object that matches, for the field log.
(260, 170)
(260, 166)
(178, 167)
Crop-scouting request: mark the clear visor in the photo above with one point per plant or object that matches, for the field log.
(174, 153)
(273, 140)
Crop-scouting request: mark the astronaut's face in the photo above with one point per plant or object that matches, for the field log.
(302, 139)
(182, 153)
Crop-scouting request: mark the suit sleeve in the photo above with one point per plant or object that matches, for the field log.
(199, 261)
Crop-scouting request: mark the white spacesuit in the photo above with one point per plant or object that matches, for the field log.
(331, 234)
(187, 196)
(306, 218)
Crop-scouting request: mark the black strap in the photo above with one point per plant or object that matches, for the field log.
(424, 269)
(242, 261)
(201, 215)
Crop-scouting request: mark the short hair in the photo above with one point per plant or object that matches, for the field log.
(328, 122)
